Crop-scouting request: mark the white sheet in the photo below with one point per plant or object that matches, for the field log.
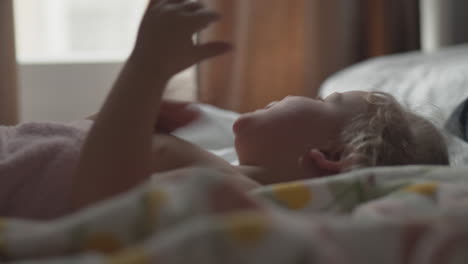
(213, 132)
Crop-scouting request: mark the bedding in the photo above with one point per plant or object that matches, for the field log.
(386, 215)
(413, 214)
(37, 161)
(213, 132)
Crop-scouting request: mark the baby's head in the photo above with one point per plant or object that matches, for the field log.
(342, 132)
(388, 134)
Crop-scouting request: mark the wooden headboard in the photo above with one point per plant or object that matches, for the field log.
(8, 66)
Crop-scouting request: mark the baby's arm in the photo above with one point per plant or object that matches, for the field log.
(163, 48)
(172, 115)
(170, 152)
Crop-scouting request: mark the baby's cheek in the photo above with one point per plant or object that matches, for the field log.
(249, 151)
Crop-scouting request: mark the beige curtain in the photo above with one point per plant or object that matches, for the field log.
(8, 71)
(268, 37)
(290, 47)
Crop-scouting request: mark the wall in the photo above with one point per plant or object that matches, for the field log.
(64, 91)
(459, 11)
(443, 23)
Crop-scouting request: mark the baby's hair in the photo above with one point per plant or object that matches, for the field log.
(388, 134)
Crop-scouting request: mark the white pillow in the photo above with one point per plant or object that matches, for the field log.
(432, 83)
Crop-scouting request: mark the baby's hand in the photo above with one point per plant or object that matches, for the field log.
(176, 114)
(164, 42)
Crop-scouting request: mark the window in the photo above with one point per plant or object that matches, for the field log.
(76, 30)
(93, 37)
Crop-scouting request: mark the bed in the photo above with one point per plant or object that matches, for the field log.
(430, 84)
(413, 214)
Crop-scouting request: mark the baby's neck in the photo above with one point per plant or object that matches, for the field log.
(265, 176)
(256, 173)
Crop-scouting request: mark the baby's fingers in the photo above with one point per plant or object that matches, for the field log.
(201, 18)
(191, 7)
(212, 49)
(153, 3)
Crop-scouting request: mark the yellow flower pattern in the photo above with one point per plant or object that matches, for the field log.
(155, 199)
(295, 196)
(103, 242)
(246, 228)
(427, 188)
(130, 256)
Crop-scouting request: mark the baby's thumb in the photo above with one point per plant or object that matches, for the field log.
(212, 49)
(153, 3)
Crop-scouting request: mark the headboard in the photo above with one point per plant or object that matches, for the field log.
(8, 72)
(443, 23)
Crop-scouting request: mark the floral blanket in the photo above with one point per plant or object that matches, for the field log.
(405, 215)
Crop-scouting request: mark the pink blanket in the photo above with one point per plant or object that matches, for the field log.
(36, 165)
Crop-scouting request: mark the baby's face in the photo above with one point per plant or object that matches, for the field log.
(283, 131)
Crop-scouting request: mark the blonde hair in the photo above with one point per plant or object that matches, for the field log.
(388, 134)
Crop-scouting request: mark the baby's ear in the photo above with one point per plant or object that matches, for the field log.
(322, 161)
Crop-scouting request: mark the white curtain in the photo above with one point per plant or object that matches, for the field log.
(8, 66)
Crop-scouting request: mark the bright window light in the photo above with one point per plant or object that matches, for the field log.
(76, 30)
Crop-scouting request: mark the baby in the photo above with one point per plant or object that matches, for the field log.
(301, 138)
(342, 132)
(296, 138)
